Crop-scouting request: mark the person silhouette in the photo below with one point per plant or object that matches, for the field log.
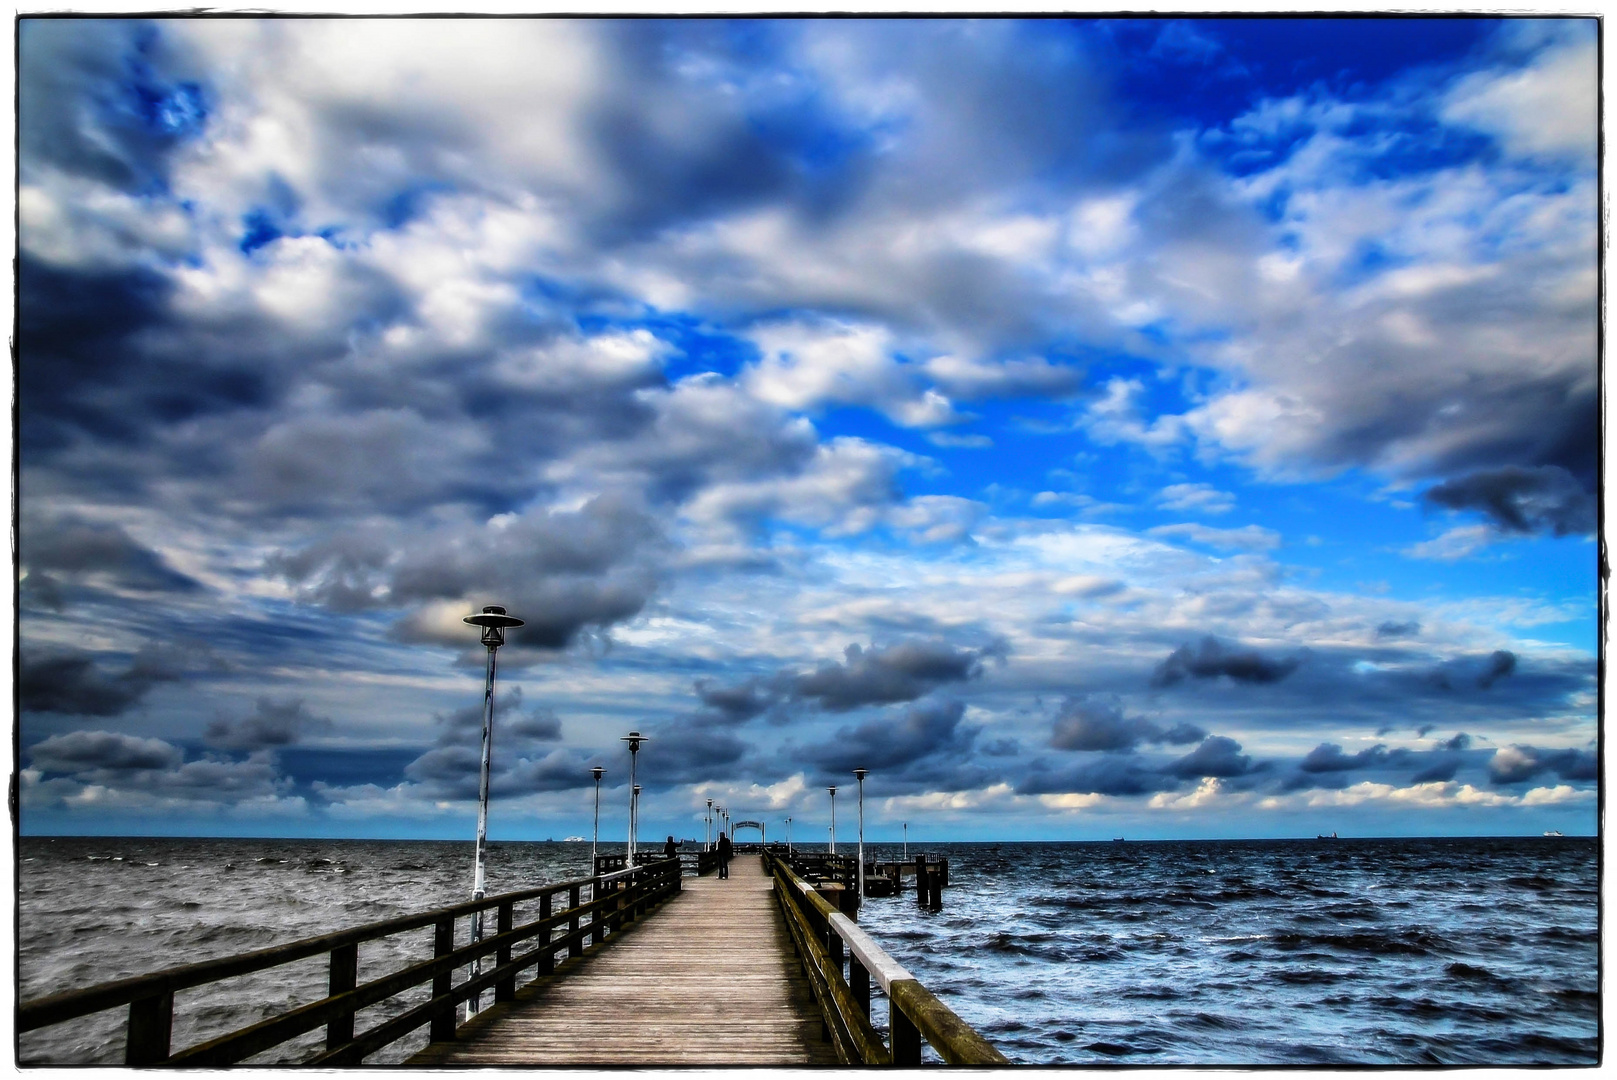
(724, 856)
(671, 849)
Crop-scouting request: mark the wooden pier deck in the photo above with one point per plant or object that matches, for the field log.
(708, 979)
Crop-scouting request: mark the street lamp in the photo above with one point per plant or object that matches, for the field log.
(595, 838)
(494, 622)
(634, 739)
(860, 774)
(709, 825)
(788, 836)
(906, 841)
(833, 790)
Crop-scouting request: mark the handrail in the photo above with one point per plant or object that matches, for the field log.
(821, 934)
(615, 898)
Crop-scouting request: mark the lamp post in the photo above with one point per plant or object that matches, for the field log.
(906, 841)
(788, 836)
(833, 790)
(709, 825)
(634, 739)
(494, 622)
(860, 774)
(595, 837)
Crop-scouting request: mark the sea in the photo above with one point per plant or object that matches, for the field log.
(1309, 953)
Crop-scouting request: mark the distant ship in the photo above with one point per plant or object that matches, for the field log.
(573, 840)
(1553, 832)
(1117, 839)
(1322, 836)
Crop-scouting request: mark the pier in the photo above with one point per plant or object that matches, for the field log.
(633, 966)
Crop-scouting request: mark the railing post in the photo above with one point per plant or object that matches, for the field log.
(547, 959)
(859, 983)
(151, 1019)
(575, 945)
(597, 917)
(443, 943)
(506, 988)
(344, 977)
(905, 1035)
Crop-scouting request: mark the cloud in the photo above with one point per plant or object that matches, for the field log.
(1521, 500)
(928, 730)
(98, 751)
(1218, 756)
(1246, 538)
(271, 724)
(1517, 764)
(1212, 660)
(54, 549)
(1328, 757)
(73, 682)
(1456, 543)
(1086, 724)
(1397, 629)
(1203, 497)
(877, 676)
(1501, 662)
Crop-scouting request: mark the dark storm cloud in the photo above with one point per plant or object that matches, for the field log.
(689, 754)
(1212, 660)
(736, 704)
(271, 724)
(71, 548)
(1442, 767)
(1101, 724)
(75, 683)
(1109, 774)
(1523, 500)
(1517, 764)
(1328, 757)
(878, 675)
(1218, 756)
(888, 744)
(98, 751)
(1397, 629)
(1500, 664)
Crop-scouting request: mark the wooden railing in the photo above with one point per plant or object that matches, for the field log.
(825, 940)
(615, 899)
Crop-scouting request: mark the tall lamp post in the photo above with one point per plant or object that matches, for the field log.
(494, 622)
(833, 790)
(906, 841)
(595, 838)
(634, 739)
(860, 774)
(788, 836)
(709, 846)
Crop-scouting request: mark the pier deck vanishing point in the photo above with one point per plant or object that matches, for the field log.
(709, 979)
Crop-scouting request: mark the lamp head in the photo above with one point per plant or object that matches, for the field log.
(833, 790)
(494, 622)
(634, 739)
(597, 772)
(861, 773)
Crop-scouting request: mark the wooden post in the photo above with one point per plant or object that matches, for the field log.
(905, 1035)
(547, 959)
(575, 946)
(920, 879)
(443, 943)
(936, 878)
(859, 983)
(597, 917)
(506, 988)
(344, 976)
(151, 1019)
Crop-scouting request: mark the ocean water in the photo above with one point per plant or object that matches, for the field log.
(1315, 953)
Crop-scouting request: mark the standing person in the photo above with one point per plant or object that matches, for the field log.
(671, 849)
(724, 856)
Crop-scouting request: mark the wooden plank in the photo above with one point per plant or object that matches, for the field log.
(709, 979)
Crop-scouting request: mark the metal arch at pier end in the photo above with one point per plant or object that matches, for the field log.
(737, 826)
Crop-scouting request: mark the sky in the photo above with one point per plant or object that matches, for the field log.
(1092, 428)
